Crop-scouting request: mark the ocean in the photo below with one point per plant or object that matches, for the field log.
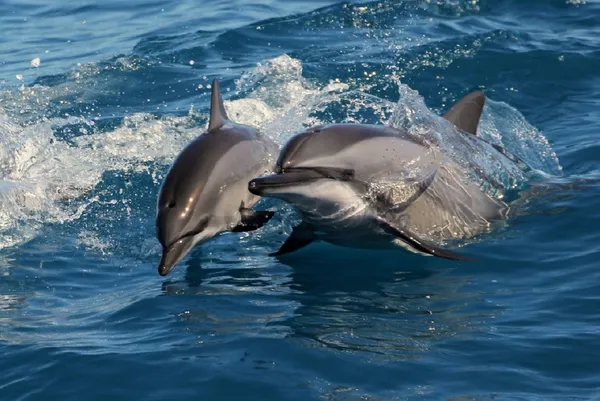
(98, 98)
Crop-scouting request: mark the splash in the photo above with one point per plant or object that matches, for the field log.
(46, 178)
(287, 102)
(500, 125)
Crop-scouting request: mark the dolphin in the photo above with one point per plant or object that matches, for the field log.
(375, 186)
(205, 191)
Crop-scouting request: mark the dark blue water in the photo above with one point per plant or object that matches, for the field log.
(88, 131)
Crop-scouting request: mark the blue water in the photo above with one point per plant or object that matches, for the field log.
(88, 132)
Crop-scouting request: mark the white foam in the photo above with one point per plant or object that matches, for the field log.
(45, 180)
(500, 124)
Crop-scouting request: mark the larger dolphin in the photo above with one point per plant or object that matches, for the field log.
(206, 192)
(375, 186)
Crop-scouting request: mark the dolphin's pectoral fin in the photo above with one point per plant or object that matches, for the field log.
(394, 198)
(301, 236)
(252, 220)
(465, 114)
(512, 157)
(418, 243)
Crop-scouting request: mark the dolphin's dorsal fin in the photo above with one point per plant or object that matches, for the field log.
(465, 114)
(218, 115)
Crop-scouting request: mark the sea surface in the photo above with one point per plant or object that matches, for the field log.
(98, 98)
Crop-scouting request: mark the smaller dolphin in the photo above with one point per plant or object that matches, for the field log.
(375, 186)
(205, 192)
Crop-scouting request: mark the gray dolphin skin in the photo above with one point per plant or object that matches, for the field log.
(205, 192)
(375, 186)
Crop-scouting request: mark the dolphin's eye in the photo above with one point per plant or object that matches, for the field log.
(171, 204)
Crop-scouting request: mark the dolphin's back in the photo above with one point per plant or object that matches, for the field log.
(370, 151)
(452, 207)
(203, 161)
(210, 177)
(227, 186)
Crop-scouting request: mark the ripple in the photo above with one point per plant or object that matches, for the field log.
(88, 134)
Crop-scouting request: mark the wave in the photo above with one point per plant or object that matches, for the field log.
(53, 169)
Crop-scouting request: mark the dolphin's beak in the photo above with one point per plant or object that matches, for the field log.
(262, 186)
(173, 254)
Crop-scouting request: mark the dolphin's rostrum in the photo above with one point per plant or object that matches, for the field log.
(206, 192)
(375, 186)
